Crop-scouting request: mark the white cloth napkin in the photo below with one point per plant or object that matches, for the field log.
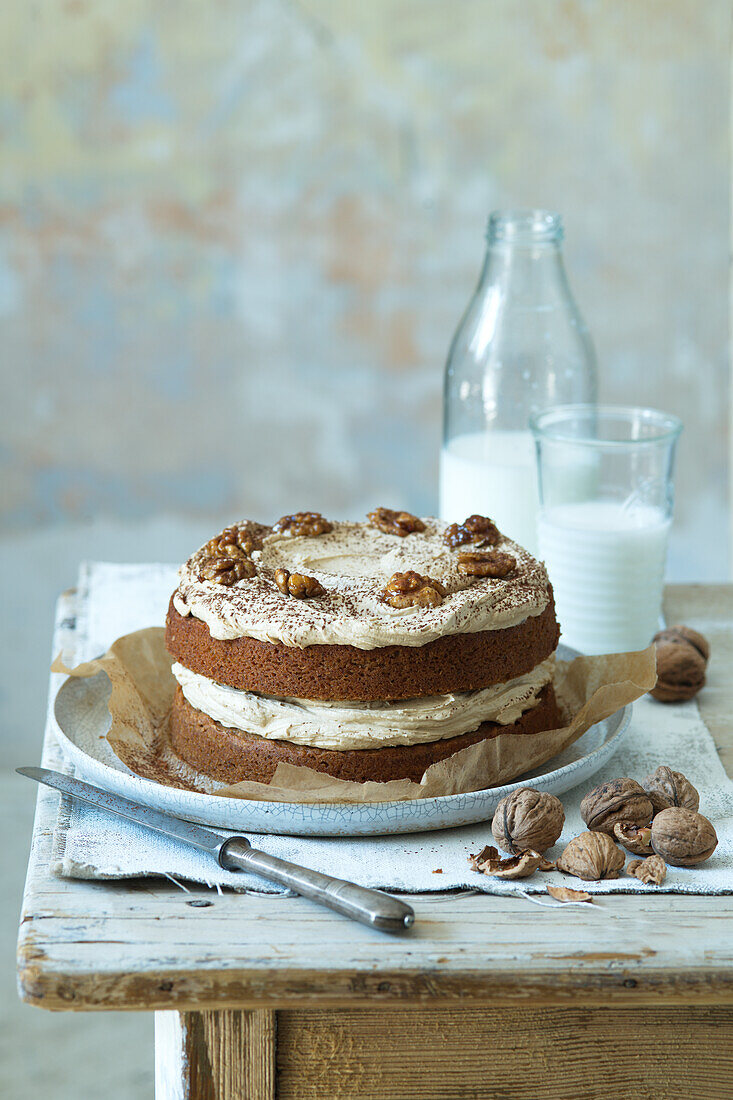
(114, 599)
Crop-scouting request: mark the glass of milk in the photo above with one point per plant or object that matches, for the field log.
(606, 499)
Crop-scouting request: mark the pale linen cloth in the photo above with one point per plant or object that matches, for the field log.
(115, 599)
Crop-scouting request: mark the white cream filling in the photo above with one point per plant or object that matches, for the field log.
(337, 725)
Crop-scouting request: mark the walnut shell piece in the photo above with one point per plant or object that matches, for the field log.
(395, 523)
(653, 869)
(565, 894)
(669, 788)
(620, 800)
(411, 589)
(683, 837)
(592, 856)
(682, 657)
(298, 585)
(486, 563)
(480, 530)
(527, 818)
(227, 571)
(634, 839)
(520, 866)
(303, 523)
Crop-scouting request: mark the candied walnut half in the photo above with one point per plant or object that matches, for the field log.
(298, 585)
(232, 542)
(486, 563)
(395, 523)
(480, 530)
(227, 571)
(411, 589)
(303, 523)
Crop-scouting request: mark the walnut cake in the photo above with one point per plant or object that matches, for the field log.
(368, 651)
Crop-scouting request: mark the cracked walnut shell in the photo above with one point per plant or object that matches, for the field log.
(395, 523)
(526, 819)
(411, 589)
(669, 788)
(682, 657)
(620, 800)
(634, 839)
(683, 837)
(486, 563)
(480, 530)
(592, 856)
(488, 862)
(303, 523)
(653, 869)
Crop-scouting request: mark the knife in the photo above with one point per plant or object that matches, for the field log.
(235, 853)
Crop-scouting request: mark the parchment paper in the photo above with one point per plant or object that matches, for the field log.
(138, 665)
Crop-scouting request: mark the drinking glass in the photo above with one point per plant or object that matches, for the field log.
(606, 501)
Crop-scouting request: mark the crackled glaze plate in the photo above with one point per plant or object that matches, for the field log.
(83, 720)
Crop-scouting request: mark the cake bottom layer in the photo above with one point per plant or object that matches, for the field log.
(230, 756)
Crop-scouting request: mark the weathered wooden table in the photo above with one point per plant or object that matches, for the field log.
(263, 997)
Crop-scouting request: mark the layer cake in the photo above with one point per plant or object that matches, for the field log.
(365, 650)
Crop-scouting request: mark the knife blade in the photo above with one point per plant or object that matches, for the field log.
(371, 907)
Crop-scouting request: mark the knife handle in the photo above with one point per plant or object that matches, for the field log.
(371, 907)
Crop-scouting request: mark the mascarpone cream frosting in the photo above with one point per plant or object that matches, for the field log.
(336, 725)
(353, 562)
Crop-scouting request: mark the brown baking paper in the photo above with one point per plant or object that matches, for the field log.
(588, 689)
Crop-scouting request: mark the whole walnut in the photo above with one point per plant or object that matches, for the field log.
(527, 818)
(668, 788)
(682, 657)
(682, 837)
(620, 800)
(592, 856)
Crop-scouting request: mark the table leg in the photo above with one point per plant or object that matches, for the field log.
(224, 1055)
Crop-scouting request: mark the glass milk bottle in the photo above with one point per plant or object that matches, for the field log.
(522, 345)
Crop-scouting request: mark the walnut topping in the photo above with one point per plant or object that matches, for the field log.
(411, 589)
(682, 837)
(303, 523)
(592, 856)
(486, 563)
(527, 818)
(479, 530)
(682, 657)
(298, 585)
(667, 788)
(231, 541)
(227, 571)
(634, 839)
(653, 869)
(395, 523)
(487, 862)
(620, 800)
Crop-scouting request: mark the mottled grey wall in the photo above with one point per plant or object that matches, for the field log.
(235, 239)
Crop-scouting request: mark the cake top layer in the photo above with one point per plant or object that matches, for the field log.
(364, 586)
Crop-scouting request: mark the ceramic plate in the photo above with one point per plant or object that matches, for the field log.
(83, 720)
